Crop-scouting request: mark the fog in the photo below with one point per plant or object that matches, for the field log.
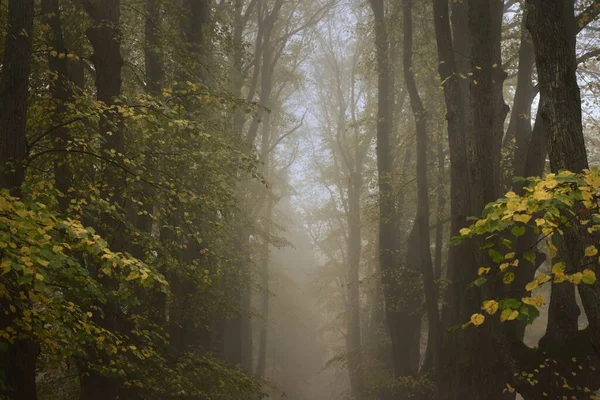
(299, 199)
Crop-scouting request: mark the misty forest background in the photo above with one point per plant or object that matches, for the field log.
(299, 199)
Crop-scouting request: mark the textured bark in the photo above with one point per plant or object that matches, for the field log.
(61, 89)
(421, 225)
(353, 330)
(16, 66)
(192, 28)
(452, 358)
(552, 26)
(266, 26)
(18, 361)
(153, 52)
(387, 231)
(265, 256)
(105, 38)
(519, 127)
(440, 207)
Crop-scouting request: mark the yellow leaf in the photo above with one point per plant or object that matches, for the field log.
(133, 275)
(591, 251)
(12, 308)
(537, 301)
(89, 314)
(541, 194)
(490, 306)
(524, 218)
(508, 315)
(508, 278)
(39, 277)
(589, 277)
(558, 268)
(552, 250)
(477, 319)
(509, 256)
(540, 221)
(503, 266)
(542, 278)
(532, 286)
(560, 277)
(465, 232)
(576, 278)
(483, 270)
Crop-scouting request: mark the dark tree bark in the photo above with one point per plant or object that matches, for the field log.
(441, 206)
(105, 38)
(421, 226)
(61, 89)
(553, 27)
(519, 127)
(18, 361)
(265, 256)
(153, 52)
(192, 27)
(14, 89)
(452, 357)
(387, 211)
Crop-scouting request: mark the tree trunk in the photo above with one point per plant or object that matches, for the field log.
(552, 27)
(452, 358)
(387, 211)
(353, 330)
(62, 94)
(422, 218)
(14, 89)
(18, 361)
(519, 127)
(265, 256)
(105, 38)
(441, 205)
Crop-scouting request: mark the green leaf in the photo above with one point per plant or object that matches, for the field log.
(496, 256)
(518, 231)
(529, 256)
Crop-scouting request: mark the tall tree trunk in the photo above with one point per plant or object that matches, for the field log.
(16, 66)
(18, 361)
(353, 322)
(265, 256)
(453, 356)
(441, 205)
(61, 89)
(519, 127)
(387, 211)
(421, 225)
(552, 27)
(105, 38)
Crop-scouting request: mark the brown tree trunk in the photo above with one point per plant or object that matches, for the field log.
(353, 329)
(265, 256)
(452, 358)
(552, 27)
(61, 89)
(105, 38)
(421, 225)
(519, 127)
(441, 205)
(18, 360)
(387, 211)
(16, 66)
